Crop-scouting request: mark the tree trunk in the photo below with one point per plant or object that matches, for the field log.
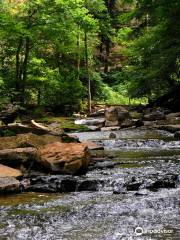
(87, 70)
(24, 69)
(39, 96)
(78, 56)
(106, 63)
(57, 56)
(18, 77)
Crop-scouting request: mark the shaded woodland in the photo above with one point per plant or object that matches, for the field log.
(67, 54)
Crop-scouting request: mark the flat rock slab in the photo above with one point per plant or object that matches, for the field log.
(99, 122)
(173, 115)
(9, 184)
(115, 128)
(66, 158)
(9, 172)
(94, 128)
(17, 155)
(170, 128)
(27, 140)
(93, 146)
(64, 183)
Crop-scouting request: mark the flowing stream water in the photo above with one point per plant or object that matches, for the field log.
(136, 158)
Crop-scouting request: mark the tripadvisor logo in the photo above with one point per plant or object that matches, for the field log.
(140, 231)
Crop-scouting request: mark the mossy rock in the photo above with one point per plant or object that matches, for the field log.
(64, 123)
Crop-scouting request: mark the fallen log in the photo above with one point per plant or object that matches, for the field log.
(39, 126)
(18, 128)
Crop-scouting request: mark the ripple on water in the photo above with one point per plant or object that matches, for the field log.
(103, 215)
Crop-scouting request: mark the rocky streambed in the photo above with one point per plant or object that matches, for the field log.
(130, 191)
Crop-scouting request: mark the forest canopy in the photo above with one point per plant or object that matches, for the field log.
(69, 52)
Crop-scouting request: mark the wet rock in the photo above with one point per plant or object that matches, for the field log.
(91, 121)
(138, 122)
(142, 192)
(94, 128)
(98, 159)
(95, 122)
(170, 128)
(45, 183)
(9, 184)
(139, 144)
(127, 123)
(148, 183)
(68, 185)
(115, 115)
(66, 158)
(103, 165)
(133, 185)
(154, 115)
(119, 190)
(112, 135)
(9, 172)
(54, 183)
(89, 185)
(115, 128)
(64, 184)
(24, 185)
(93, 146)
(177, 135)
(168, 181)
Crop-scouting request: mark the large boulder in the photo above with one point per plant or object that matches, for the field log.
(111, 115)
(172, 115)
(9, 113)
(16, 156)
(153, 114)
(173, 118)
(177, 135)
(66, 158)
(115, 116)
(9, 172)
(170, 128)
(27, 140)
(64, 183)
(9, 184)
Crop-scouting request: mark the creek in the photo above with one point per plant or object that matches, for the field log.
(137, 197)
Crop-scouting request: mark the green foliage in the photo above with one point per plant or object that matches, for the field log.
(43, 50)
(176, 76)
(153, 52)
